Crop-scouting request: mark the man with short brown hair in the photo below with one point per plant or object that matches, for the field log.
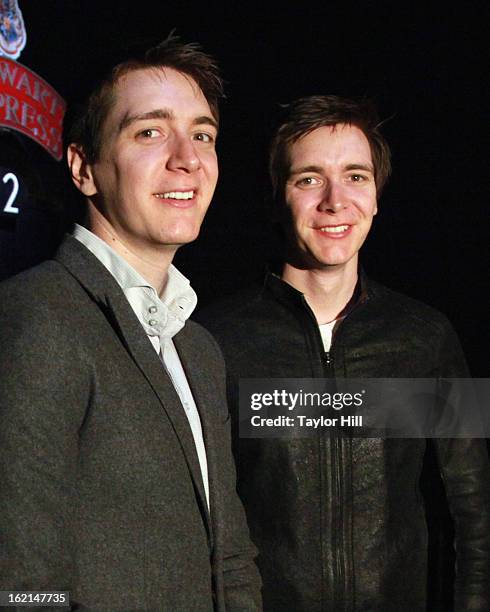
(117, 477)
(339, 520)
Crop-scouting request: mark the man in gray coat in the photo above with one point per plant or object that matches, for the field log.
(117, 482)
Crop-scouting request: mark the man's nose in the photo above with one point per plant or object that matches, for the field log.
(183, 155)
(334, 198)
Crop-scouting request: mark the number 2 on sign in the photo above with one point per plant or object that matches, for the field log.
(9, 206)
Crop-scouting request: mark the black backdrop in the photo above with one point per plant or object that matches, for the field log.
(427, 67)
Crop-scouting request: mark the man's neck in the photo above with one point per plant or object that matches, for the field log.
(327, 291)
(153, 266)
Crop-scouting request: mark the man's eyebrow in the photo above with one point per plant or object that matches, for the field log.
(205, 120)
(162, 113)
(365, 167)
(302, 169)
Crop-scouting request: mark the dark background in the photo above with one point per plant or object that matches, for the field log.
(425, 66)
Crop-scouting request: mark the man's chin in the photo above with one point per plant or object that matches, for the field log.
(318, 261)
(180, 239)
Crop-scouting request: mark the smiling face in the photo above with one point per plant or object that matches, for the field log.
(157, 169)
(330, 196)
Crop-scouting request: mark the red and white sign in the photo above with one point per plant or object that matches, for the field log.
(30, 105)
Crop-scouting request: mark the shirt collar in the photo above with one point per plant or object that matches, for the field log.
(160, 316)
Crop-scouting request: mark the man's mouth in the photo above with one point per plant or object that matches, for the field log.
(176, 195)
(334, 229)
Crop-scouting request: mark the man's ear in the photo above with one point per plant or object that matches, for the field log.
(80, 170)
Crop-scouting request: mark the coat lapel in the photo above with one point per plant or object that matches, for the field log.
(105, 291)
(192, 357)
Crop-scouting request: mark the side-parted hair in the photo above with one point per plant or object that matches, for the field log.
(187, 58)
(307, 114)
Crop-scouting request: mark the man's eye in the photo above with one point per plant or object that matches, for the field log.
(308, 181)
(203, 137)
(149, 133)
(358, 178)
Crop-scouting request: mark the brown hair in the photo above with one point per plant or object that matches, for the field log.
(189, 59)
(307, 114)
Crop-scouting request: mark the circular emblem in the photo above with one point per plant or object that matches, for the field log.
(12, 31)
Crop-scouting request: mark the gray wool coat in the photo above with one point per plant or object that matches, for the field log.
(101, 492)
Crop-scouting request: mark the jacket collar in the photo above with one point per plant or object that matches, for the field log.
(287, 294)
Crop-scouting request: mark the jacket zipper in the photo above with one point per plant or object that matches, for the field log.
(328, 363)
(341, 599)
(337, 539)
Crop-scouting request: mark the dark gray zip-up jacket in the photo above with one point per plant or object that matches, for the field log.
(340, 522)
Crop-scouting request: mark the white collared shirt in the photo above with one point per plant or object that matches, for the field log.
(161, 319)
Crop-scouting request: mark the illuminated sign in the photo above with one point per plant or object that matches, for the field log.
(30, 105)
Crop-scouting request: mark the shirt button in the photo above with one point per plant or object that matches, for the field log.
(152, 309)
(152, 322)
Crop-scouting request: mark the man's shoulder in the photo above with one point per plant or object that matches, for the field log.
(47, 283)
(41, 310)
(390, 305)
(47, 300)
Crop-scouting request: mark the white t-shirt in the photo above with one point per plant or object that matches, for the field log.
(326, 331)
